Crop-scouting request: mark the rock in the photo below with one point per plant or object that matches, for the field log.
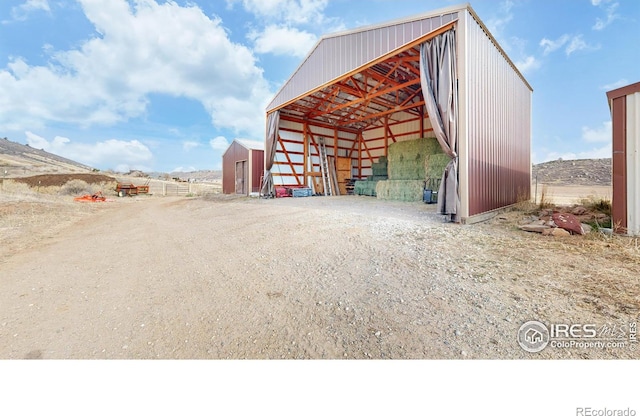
(579, 210)
(586, 228)
(568, 222)
(556, 232)
(534, 228)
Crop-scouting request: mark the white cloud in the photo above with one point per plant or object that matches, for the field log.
(603, 152)
(497, 24)
(597, 135)
(614, 85)
(515, 47)
(183, 169)
(570, 43)
(610, 11)
(23, 11)
(141, 49)
(528, 64)
(576, 44)
(553, 45)
(283, 40)
(116, 154)
(219, 143)
(188, 145)
(294, 12)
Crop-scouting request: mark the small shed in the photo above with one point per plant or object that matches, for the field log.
(440, 75)
(624, 104)
(242, 167)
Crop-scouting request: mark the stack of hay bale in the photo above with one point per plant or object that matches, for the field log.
(410, 164)
(368, 187)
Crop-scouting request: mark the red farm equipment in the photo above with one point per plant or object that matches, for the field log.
(129, 189)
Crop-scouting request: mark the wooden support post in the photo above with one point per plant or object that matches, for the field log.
(386, 136)
(360, 155)
(305, 138)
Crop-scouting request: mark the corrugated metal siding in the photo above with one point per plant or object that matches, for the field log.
(498, 126)
(619, 162)
(337, 55)
(234, 153)
(257, 169)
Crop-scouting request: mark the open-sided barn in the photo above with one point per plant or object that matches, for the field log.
(242, 167)
(439, 75)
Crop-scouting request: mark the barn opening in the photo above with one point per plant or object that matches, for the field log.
(388, 110)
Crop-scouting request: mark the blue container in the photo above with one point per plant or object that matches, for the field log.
(300, 192)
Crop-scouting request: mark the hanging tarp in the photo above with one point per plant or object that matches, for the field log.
(438, 77)
(271, 144)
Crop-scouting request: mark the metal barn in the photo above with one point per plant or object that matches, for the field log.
(625, 114)
(442, 75)
(242, 167)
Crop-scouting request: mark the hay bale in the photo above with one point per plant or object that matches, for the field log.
(435, 165)
(400, 190)
(406, 159)
(367, 188)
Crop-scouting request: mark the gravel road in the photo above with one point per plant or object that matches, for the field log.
(301, 278)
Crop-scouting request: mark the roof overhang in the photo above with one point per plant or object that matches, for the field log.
(361, 98)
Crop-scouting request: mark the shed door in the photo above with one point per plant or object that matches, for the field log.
(241, 177)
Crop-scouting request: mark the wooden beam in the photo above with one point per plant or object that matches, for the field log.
(380, 114)
(366, 98)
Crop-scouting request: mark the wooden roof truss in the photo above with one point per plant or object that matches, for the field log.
(362, 100)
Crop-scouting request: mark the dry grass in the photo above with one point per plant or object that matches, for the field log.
(75, 187)
(29, 215)
(545, 198)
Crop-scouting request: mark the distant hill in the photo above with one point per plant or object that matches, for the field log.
(582, 172)
(20, 160)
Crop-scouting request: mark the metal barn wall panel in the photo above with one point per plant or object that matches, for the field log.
(336, 55)
(624, 104)
(498, 125)
(256, 169)
(619, 162)
(234, 153)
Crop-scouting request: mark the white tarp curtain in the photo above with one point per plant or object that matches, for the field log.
(271, 143)
(438, 77)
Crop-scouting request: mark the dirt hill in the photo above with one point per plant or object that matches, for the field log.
(23, 160)
(581, 172)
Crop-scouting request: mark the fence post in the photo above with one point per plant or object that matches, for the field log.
(164, 189)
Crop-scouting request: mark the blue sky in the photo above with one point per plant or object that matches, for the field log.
(165, 86)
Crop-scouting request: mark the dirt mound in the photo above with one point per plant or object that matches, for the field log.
(61, 179)
(574, 172)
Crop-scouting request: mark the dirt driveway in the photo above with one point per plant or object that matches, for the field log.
(341, 277)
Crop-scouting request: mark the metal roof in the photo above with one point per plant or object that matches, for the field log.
(355, 80)
(341, 53)
(250, 144)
